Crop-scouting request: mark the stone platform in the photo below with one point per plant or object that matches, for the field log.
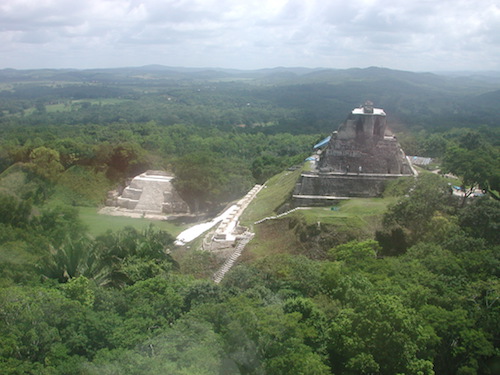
(359, 158)
(150, 193)
(338, 186)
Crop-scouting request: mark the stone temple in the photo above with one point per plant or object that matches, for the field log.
(358, 160)
(150, 193)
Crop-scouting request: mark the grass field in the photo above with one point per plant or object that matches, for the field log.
(275, 192)
(98, 224)
(353, 218)
(278, 189)
(360, 208)
(272, 237)
(76, 104)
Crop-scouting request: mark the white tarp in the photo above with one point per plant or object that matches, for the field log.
(195, 231)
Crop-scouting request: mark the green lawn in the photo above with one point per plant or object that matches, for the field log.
(59, 107)
(75, 104)
(275, 192)
(98, 224)
(278, 189)
(356, 217)
(350, 209)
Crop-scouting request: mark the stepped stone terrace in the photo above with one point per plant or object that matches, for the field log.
(150, 193)
(358, 159)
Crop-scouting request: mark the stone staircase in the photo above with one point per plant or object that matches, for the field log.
(150, 193)
(225, 231)
(151, 198)
(229, 231)
(245, 239)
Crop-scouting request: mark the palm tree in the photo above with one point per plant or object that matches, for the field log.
(74, 257)
(104, 259)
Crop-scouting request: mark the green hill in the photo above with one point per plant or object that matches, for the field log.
(310, 231)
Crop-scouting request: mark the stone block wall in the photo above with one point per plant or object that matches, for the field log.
(173, 203)
(150, 193)
(127, 203)
(384, 156)
(357, 161)
(337, 185)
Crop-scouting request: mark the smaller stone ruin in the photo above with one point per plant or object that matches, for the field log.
(150, 193)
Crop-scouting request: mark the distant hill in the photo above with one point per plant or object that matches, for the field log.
(319, 98)
(298, 75)
(477, 82)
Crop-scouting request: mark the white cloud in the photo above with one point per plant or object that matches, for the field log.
(402, 34)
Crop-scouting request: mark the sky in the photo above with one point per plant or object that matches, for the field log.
(412, 35)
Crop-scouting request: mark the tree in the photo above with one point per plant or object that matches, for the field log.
(477, 167)
(200, 178)
(411, 217)
(379, 335)
(481, 219)
(152, 305)
(355, 252)
(188, 347)
(461, 346)
(129, 255)
(432, 145)
(40, 107)
(313, 318)
(36, 321)
(72, 258)
(46, 163)
(295, 273)
(58, 223)
(79, 289)
(73, 151)
(13, 211)
(122, 159)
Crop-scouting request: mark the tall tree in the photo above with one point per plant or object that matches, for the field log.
(476, 163)
(200, 178)
(46, 163)
(379, 335)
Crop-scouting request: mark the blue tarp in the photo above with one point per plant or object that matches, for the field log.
(323, 142)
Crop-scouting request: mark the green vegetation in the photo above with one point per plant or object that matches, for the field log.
(476, 162)
(274, 194)
(360, 208)
(404, 284)
(313, 231)
(98, 224)
(354, 218)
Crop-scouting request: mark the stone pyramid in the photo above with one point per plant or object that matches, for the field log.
(151, 192)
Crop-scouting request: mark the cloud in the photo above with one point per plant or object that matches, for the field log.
(403, 34)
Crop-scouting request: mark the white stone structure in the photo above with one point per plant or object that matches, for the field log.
(150, 193)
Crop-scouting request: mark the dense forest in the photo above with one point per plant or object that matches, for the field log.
(416, 293)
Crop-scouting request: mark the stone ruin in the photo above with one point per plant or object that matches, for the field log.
(357, 161)
(150, 193)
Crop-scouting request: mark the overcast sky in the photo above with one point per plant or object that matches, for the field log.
(414, 35)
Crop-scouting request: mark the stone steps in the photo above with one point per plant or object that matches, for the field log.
(151, 193)
(229, 224)
(151, 197)
(219, 275)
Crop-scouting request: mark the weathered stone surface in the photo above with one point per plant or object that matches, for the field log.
(151, 192)
(362, 144)
(360, 156)
(341, 185)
